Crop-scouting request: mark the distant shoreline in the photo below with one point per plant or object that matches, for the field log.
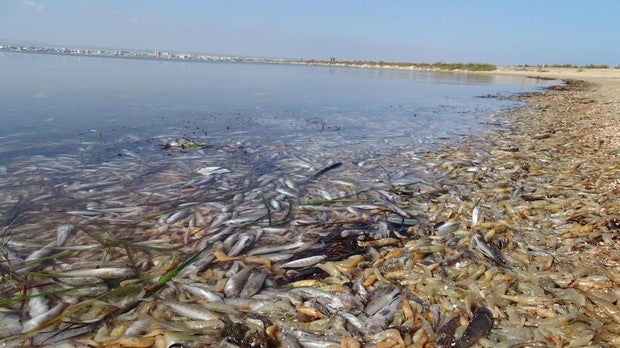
(552, 72)
(175, 56)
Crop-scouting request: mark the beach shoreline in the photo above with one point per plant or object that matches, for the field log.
(550, 184)
(514, 232)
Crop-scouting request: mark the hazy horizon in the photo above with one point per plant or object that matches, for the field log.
(506, 33)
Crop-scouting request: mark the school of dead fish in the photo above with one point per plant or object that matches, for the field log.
(507, 241)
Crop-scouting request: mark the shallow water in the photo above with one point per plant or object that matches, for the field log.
(98, 108)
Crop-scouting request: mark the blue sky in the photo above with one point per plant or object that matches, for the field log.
(506, 32)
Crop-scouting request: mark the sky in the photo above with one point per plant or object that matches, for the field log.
(506, 32)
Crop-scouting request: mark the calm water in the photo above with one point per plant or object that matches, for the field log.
(99, 108)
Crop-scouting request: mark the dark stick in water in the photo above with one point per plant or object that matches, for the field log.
(325, 170)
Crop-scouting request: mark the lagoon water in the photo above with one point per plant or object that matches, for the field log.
(100, 108)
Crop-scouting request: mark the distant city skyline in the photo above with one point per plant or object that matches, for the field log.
(503, 33)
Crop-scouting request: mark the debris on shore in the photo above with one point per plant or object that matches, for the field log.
(510, 239)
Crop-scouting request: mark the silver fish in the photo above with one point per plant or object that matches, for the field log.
(203, 293)
(101, 273)
(305, 262)
(244, 240)
(253, 284)
(489, 251)
(275, 204)
(475, 216)
(286, 192)
(380, 320)
(219, 220)
(235, 284)
(276, 248)
(36, 303)
(42, 318)
(193, 311)
(63, 232)
(177, 216)
(42, 253)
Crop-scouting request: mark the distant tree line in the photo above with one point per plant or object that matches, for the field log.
(437, 65)
(589, 66)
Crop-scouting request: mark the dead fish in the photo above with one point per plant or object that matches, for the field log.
(219, 220)
(238, 222)
(235, 284)
(203, 293)
(253, 284)
(324, 194)
(290, 184)
(286, 192)
(480, 326)
(199, 219)
(436, 315)
(380, 320)
(396, 209)
(42, 253)
(36, 303)
(388, 196)
(138, 327)
(489, 251)
(305, 262)
(475, 216)
(238, 199)
(275, 204)
(365, 206)
(198, 265)
(193, 311)
(42, 318)
(352, 319)
(448, 227)
(276, 248)
(207, 171)
(380, 298)
(306, 339)
(63, 232)
(101, 273)
(359, 287)
(244, 241)
(90, 186)
(332, 302)
(177, 216)
(354, 211)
